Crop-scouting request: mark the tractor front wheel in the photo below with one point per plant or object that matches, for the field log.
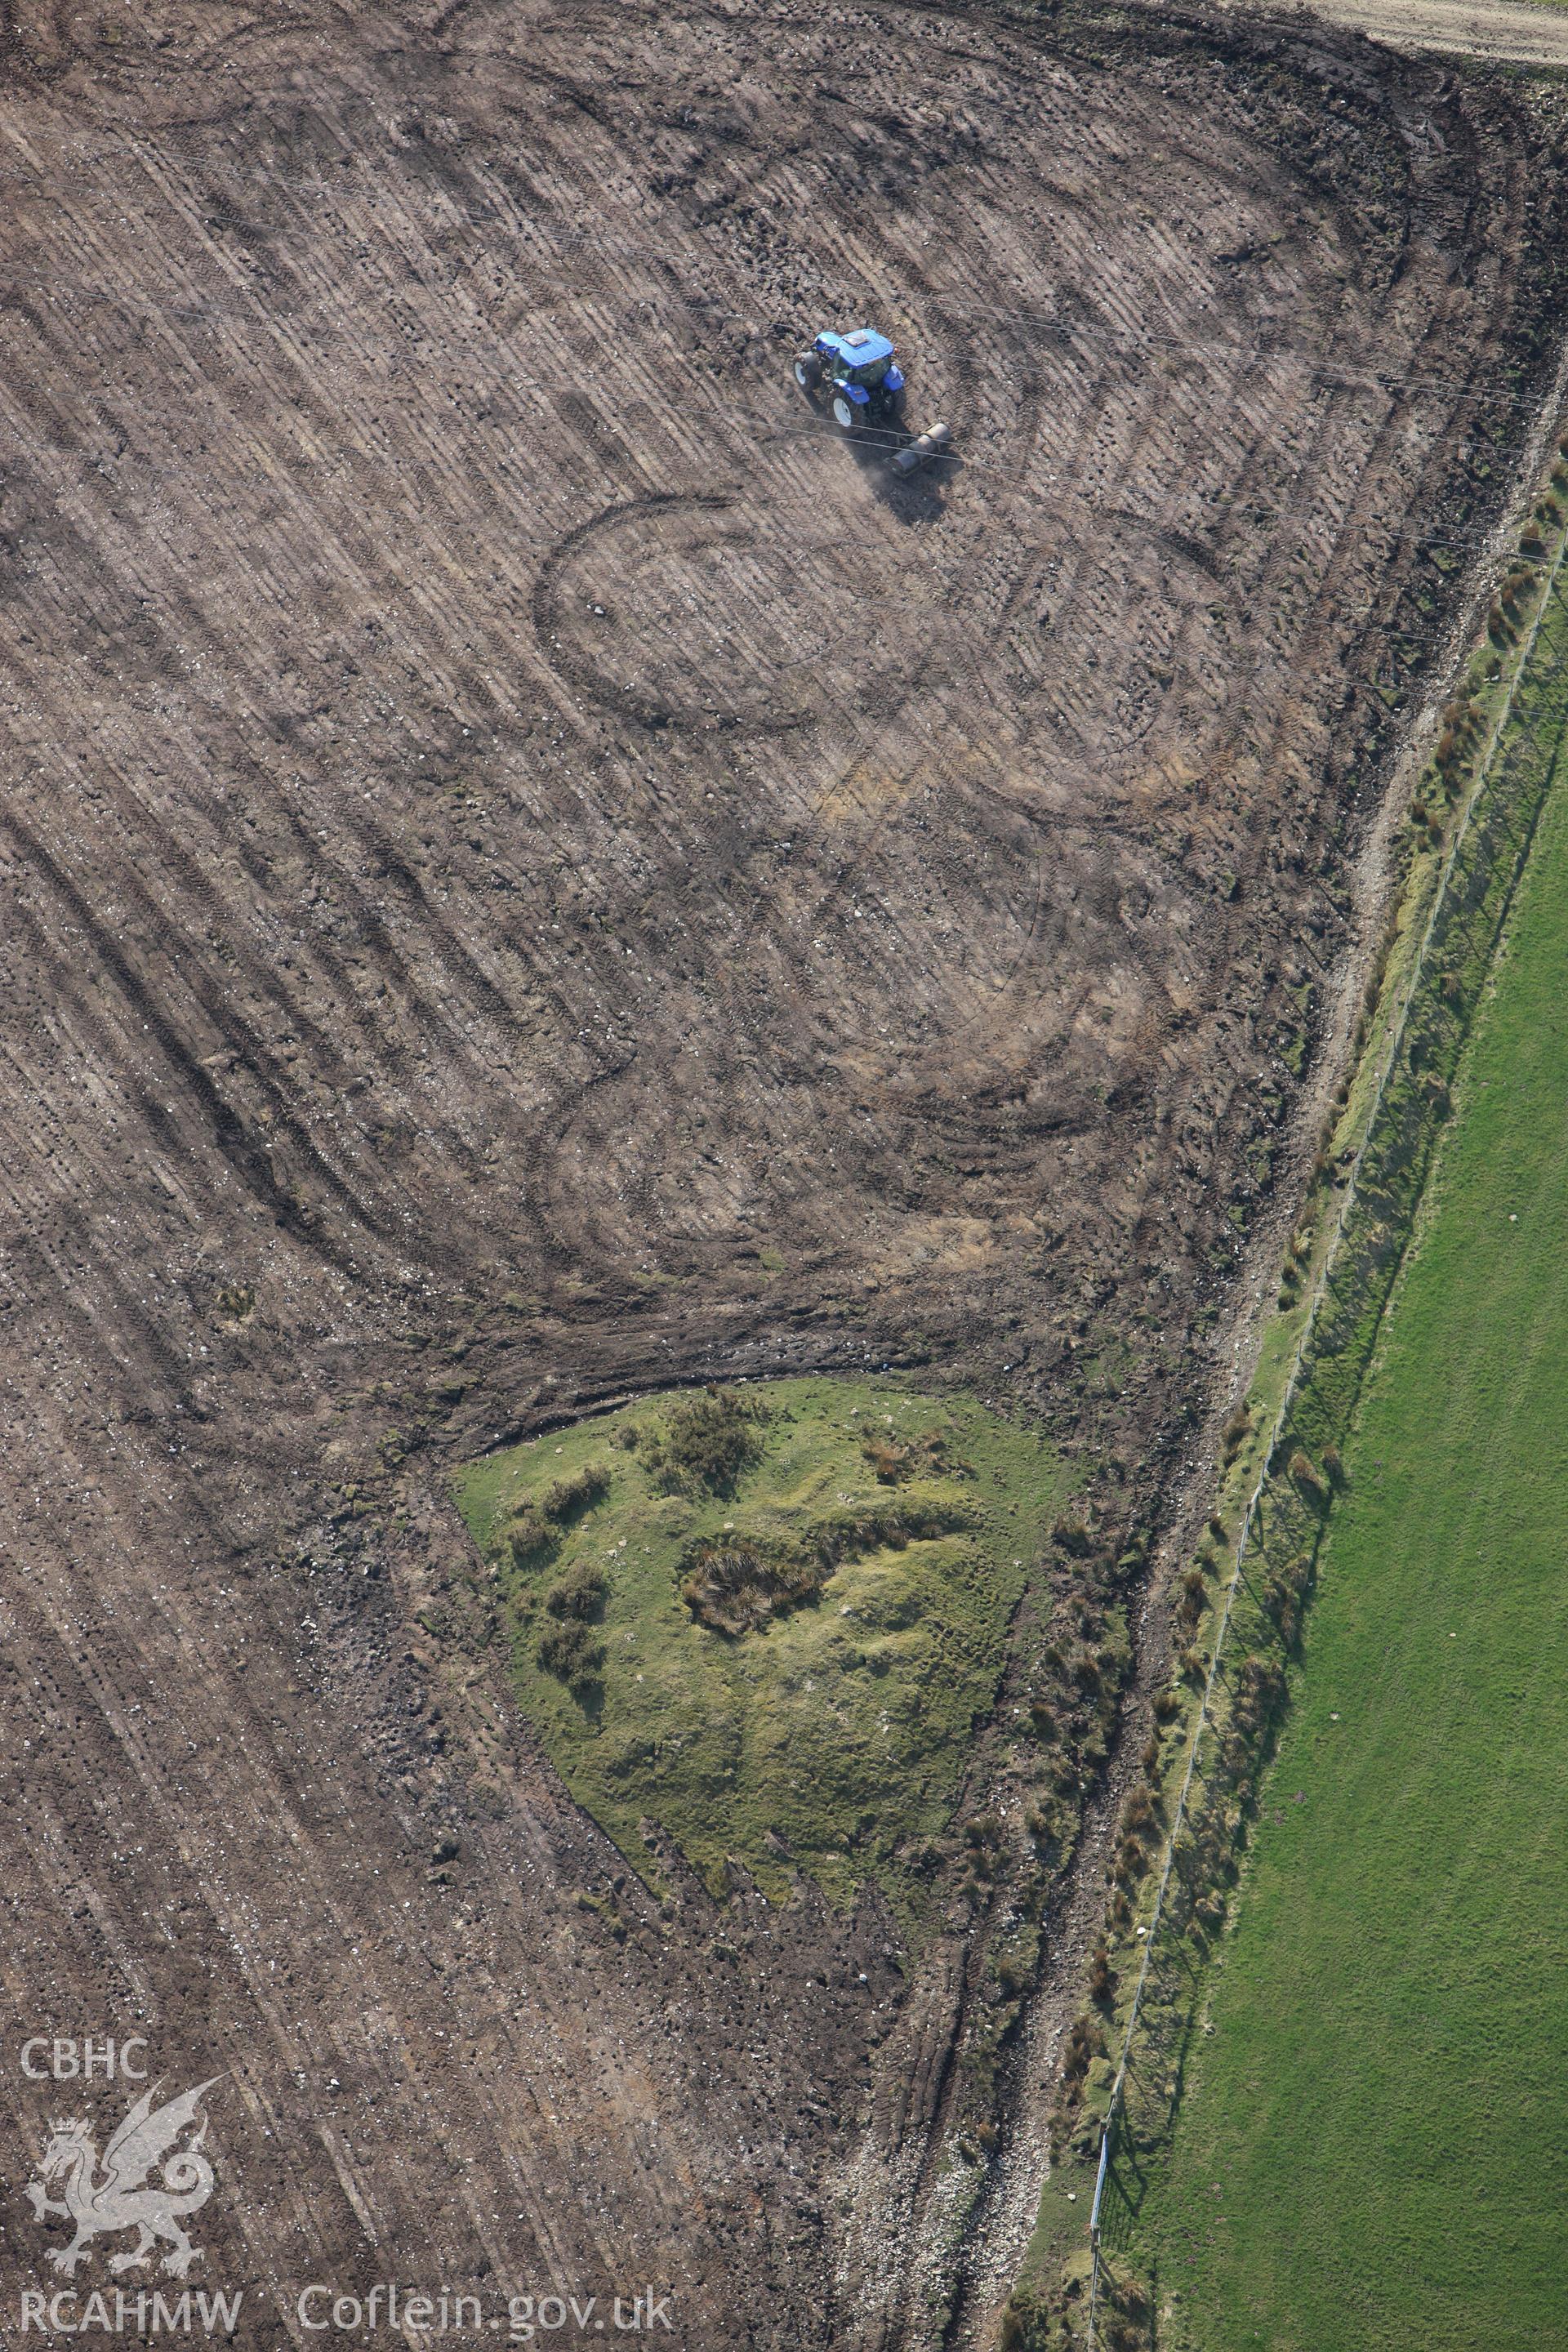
(845, 411)
(807, 371)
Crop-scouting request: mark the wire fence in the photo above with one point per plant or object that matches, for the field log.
(1425, 1031)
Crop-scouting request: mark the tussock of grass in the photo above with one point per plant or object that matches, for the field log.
(895, 1460)
(1306, 1475)
(737, 1583)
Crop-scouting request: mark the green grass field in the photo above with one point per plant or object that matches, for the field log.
(1371, 2146)
(784, 1663)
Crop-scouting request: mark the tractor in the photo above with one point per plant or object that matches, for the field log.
(863, 380)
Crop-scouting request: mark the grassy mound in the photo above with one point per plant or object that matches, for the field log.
(769, 1618)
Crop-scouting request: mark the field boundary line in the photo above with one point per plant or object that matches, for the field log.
(1394, 1035)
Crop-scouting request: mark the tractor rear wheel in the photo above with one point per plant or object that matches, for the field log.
(845, 411)
(807, 371)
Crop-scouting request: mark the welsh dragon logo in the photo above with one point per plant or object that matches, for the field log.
(122, 2197)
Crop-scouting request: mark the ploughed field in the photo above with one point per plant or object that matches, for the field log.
(535, 875)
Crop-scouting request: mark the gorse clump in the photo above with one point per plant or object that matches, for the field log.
(531, 1536)
(536, 1527)
(706, 1443)
(582, 1592)
(570, 1653)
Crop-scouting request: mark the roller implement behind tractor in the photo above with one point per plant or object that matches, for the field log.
(864, 386)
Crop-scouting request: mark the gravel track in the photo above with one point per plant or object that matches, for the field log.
(1510, 32)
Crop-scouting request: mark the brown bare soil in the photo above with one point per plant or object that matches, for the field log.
(533, 871)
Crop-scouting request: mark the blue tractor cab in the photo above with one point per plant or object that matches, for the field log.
(863, 379)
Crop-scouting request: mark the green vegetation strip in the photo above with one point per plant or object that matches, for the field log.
(1372, 2148)
(1206, 1780)
(768, 1620)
